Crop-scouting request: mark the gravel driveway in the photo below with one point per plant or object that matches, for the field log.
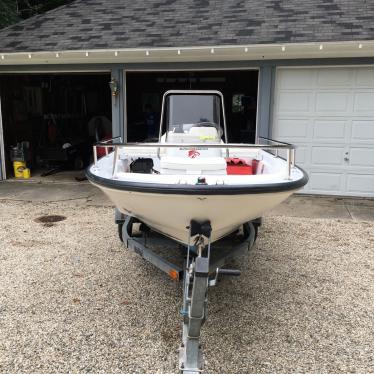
(73, 300)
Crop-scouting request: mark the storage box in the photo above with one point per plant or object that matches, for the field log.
(238, 166)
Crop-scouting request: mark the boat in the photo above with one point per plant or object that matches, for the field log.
(195, 189)
(186, 176)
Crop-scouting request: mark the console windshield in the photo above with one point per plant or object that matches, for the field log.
(197, 115)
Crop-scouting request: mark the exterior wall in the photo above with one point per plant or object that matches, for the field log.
(118, 105)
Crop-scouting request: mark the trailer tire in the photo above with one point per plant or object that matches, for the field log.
(129, 227)
(120, 227)
(256, 231)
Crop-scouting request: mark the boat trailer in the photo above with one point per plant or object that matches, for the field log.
(203, 265)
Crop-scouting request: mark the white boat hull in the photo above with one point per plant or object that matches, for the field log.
(170, 214)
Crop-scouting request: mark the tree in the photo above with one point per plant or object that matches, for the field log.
(12, 11)
(8, 13)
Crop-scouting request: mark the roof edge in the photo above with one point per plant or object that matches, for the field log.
(339, 49)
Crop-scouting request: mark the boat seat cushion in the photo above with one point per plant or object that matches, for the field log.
(184, 165)
(205, 133)
(194, 137)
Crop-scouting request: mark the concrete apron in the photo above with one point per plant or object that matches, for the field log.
(83, 193)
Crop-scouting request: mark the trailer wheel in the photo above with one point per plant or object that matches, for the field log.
(247, 228)
(256, 231)
(120, 226)
(129, 227)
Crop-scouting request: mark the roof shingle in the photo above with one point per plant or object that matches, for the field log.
(100, 24)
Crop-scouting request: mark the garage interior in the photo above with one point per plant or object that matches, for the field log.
(51, 120)
(145, 91)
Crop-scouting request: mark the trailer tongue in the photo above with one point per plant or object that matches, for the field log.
(203, 265)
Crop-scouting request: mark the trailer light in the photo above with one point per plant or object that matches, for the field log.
(179, 52)
(57, 55)
(212, 51)
(174, 275)
(320, 47)
(86, 54)
(246, 49)
(283, 48)
(360, 46)
(116, 53)
(147, 53)
(29, 55)
(2, 57)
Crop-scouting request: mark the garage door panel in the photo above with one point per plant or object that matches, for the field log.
(325, 182)
(363, 157)
(301, 155)
(298, 79)
(293, 102)
(336, 77)
(327, 156)
(301, 152)
(365, 77)
(360, 184)
(364, 102)
(329, 130)
(293, 128)
(327, 102)
(363, 130)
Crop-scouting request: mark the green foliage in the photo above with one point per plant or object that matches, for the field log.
(8, 12)
(12, 11)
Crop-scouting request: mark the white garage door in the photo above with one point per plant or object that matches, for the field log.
(329, 114)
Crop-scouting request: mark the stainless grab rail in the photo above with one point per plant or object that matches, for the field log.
(290, 148)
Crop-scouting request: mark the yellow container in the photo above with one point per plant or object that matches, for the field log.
(19, 167)
(26, 173)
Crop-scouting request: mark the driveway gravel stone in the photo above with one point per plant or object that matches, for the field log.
(74, 300)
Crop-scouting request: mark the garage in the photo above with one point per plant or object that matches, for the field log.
(310, 82)
(50, 121)
(328, 113)
(145, 91)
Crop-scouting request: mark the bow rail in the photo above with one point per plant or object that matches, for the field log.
(275, 146)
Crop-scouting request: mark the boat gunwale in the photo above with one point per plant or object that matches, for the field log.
(184, 189)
